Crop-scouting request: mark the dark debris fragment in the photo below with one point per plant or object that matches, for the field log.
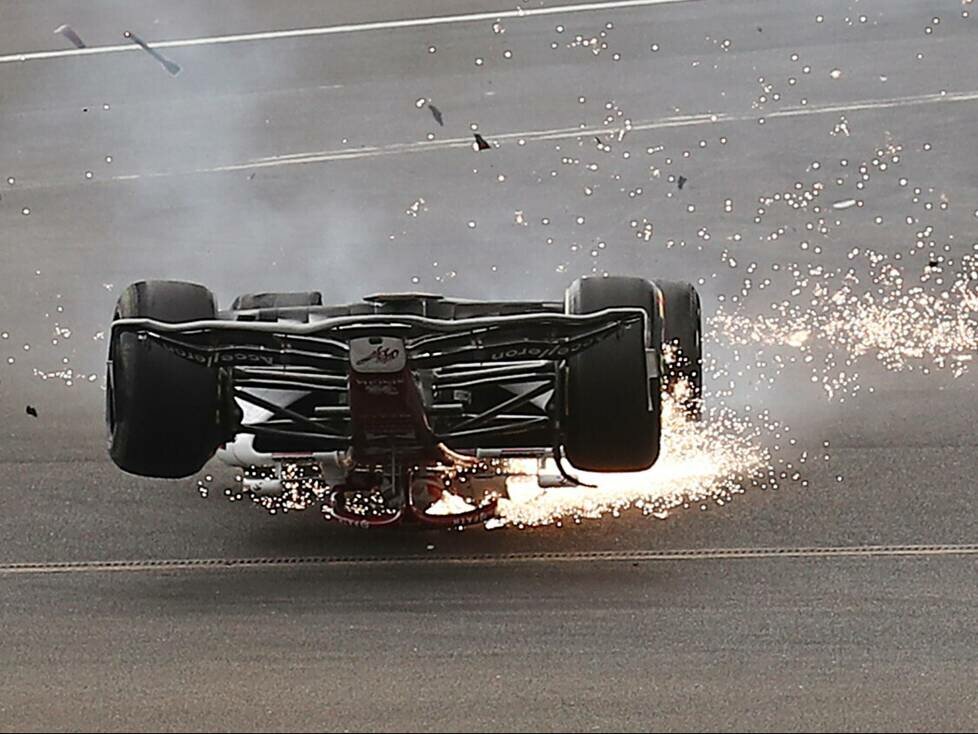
(31, 410)
(171, 67)
(69, 33)
(681, 181)
(481, 142)
(436, 113)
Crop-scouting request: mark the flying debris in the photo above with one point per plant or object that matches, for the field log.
(69, 33)
(681, 181)
(481, 142)
(171, 67)
(31, 410)
(436, 113)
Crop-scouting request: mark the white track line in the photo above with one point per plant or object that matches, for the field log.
(563, 133)
(379, 25)
(704, 554)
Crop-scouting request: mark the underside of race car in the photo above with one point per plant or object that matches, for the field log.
(364, 407)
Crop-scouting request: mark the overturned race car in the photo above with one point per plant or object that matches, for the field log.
(371, 409)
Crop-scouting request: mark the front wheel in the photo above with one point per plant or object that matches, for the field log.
(612, 404)
(162, 410)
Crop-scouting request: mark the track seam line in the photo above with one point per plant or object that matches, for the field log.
(530, 136)
(802, 552)
(701, 118)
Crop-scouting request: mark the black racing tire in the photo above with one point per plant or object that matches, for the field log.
(682, 336)
(611, 411)
(162, 411)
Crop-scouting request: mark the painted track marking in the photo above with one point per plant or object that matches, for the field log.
(701, 554)
(379, 25)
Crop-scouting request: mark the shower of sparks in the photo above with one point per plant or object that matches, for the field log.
(905, 326)
(449, 504)
(68, 376)
(699, 463)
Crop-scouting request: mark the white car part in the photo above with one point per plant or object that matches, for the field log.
(241, 453)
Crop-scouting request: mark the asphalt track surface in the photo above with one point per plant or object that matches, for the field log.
(291, 162)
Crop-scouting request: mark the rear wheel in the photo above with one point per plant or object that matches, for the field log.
(162, 410)
(611, 418)
(682, 346)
